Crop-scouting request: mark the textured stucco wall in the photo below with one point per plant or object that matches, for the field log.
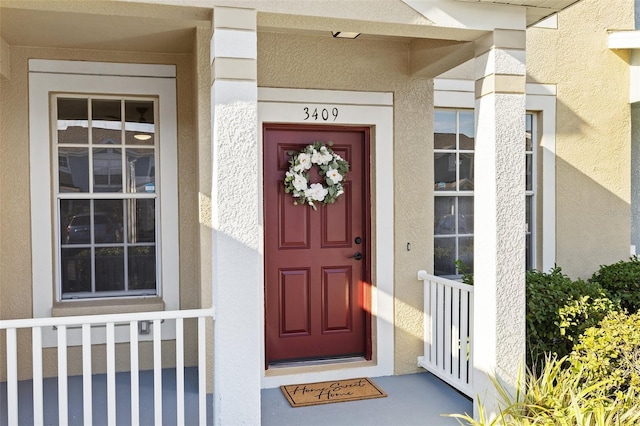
(373, 65)
(15, 241)
(593, 131)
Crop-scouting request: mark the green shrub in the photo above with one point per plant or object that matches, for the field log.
(611, 352)
(558, 396)
(622, 281)
(559, 310)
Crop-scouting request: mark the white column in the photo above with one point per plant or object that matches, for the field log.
(237, 266)
(499, 261)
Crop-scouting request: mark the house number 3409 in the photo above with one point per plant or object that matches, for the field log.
(323, 114)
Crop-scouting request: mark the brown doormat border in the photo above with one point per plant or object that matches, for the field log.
(330, 392)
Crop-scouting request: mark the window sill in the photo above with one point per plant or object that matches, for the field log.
(106, 306)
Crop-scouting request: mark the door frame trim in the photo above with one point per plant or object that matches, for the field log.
(363, 109)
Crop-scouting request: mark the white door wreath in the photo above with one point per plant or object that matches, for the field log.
(331, 167)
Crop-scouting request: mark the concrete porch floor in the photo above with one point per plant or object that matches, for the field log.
(413, 399)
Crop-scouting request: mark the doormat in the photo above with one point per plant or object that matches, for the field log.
(330, 392)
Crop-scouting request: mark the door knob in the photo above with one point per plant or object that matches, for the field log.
(356, 256)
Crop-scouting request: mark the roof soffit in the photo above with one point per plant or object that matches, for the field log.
(488, 14)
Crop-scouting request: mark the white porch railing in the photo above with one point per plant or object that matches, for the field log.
(86, 323)
(448, 331)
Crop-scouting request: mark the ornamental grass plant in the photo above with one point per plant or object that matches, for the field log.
(559, 397)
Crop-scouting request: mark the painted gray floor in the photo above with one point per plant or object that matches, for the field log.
(414, 399)
(123, 404)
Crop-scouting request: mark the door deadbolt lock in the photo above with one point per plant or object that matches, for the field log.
(358, 240)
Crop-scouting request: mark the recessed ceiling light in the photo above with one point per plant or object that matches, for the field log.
(344, 34)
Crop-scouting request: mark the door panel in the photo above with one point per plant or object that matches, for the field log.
(316, 291)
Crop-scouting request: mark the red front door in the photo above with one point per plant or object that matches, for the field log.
(316, 283)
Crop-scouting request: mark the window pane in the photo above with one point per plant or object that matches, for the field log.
(445, 218)
(106, 121)
(465, 215)
(73, 169)
(444, 125)
(529, 132)
(109, 269)
(528, 253)
(75, 222)
(465, 253)
(142, 268)
(108, 221)
(73, 121)
(76, 270)
(444, 256)
(467, 130)
(466, 172)
(139, 126)
(107, 170)
(141, 170)
(142, 221)
(445, 172)
(529, 172)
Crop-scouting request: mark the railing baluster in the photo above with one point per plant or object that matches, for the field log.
(12, 376)
(439, 326)
(111, 374)
(135, 375)
(87, 391)
(202, 378)
(464, 340)
(180, 370)
(157, 372)
(36, 345)
(63, 407)
(455, 334)
(446, 343)
(470, 334)
(433, 321)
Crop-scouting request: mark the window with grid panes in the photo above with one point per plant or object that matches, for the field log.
(454, 184)
(105, 195)
(453, 190)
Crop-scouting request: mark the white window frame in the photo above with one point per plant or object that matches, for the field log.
(93, 196)
(540, 100)
(531, 228)
(456, 193)
(46, 76)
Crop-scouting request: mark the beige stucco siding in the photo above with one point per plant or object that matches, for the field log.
(15, 237)
(320, 62)
(593, 131)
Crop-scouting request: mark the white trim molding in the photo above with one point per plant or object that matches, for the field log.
(104, 78)
(362, 109)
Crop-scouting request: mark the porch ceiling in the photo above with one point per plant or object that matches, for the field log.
(161, 28)
(79, 25)
(537, 10)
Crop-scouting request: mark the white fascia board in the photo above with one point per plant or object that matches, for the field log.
(471, 16)
(624, 40)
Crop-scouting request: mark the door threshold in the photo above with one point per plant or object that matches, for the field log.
(316, 362)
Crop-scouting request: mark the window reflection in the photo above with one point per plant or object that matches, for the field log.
(106, 124)
(107, 170)
(139, 125)
(73, 121)
(73, 169)
(106, 243)
(141, 170)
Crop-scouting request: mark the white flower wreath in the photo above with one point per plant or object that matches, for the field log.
(331, 166)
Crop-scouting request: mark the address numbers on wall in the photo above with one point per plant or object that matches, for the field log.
(320, 114)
